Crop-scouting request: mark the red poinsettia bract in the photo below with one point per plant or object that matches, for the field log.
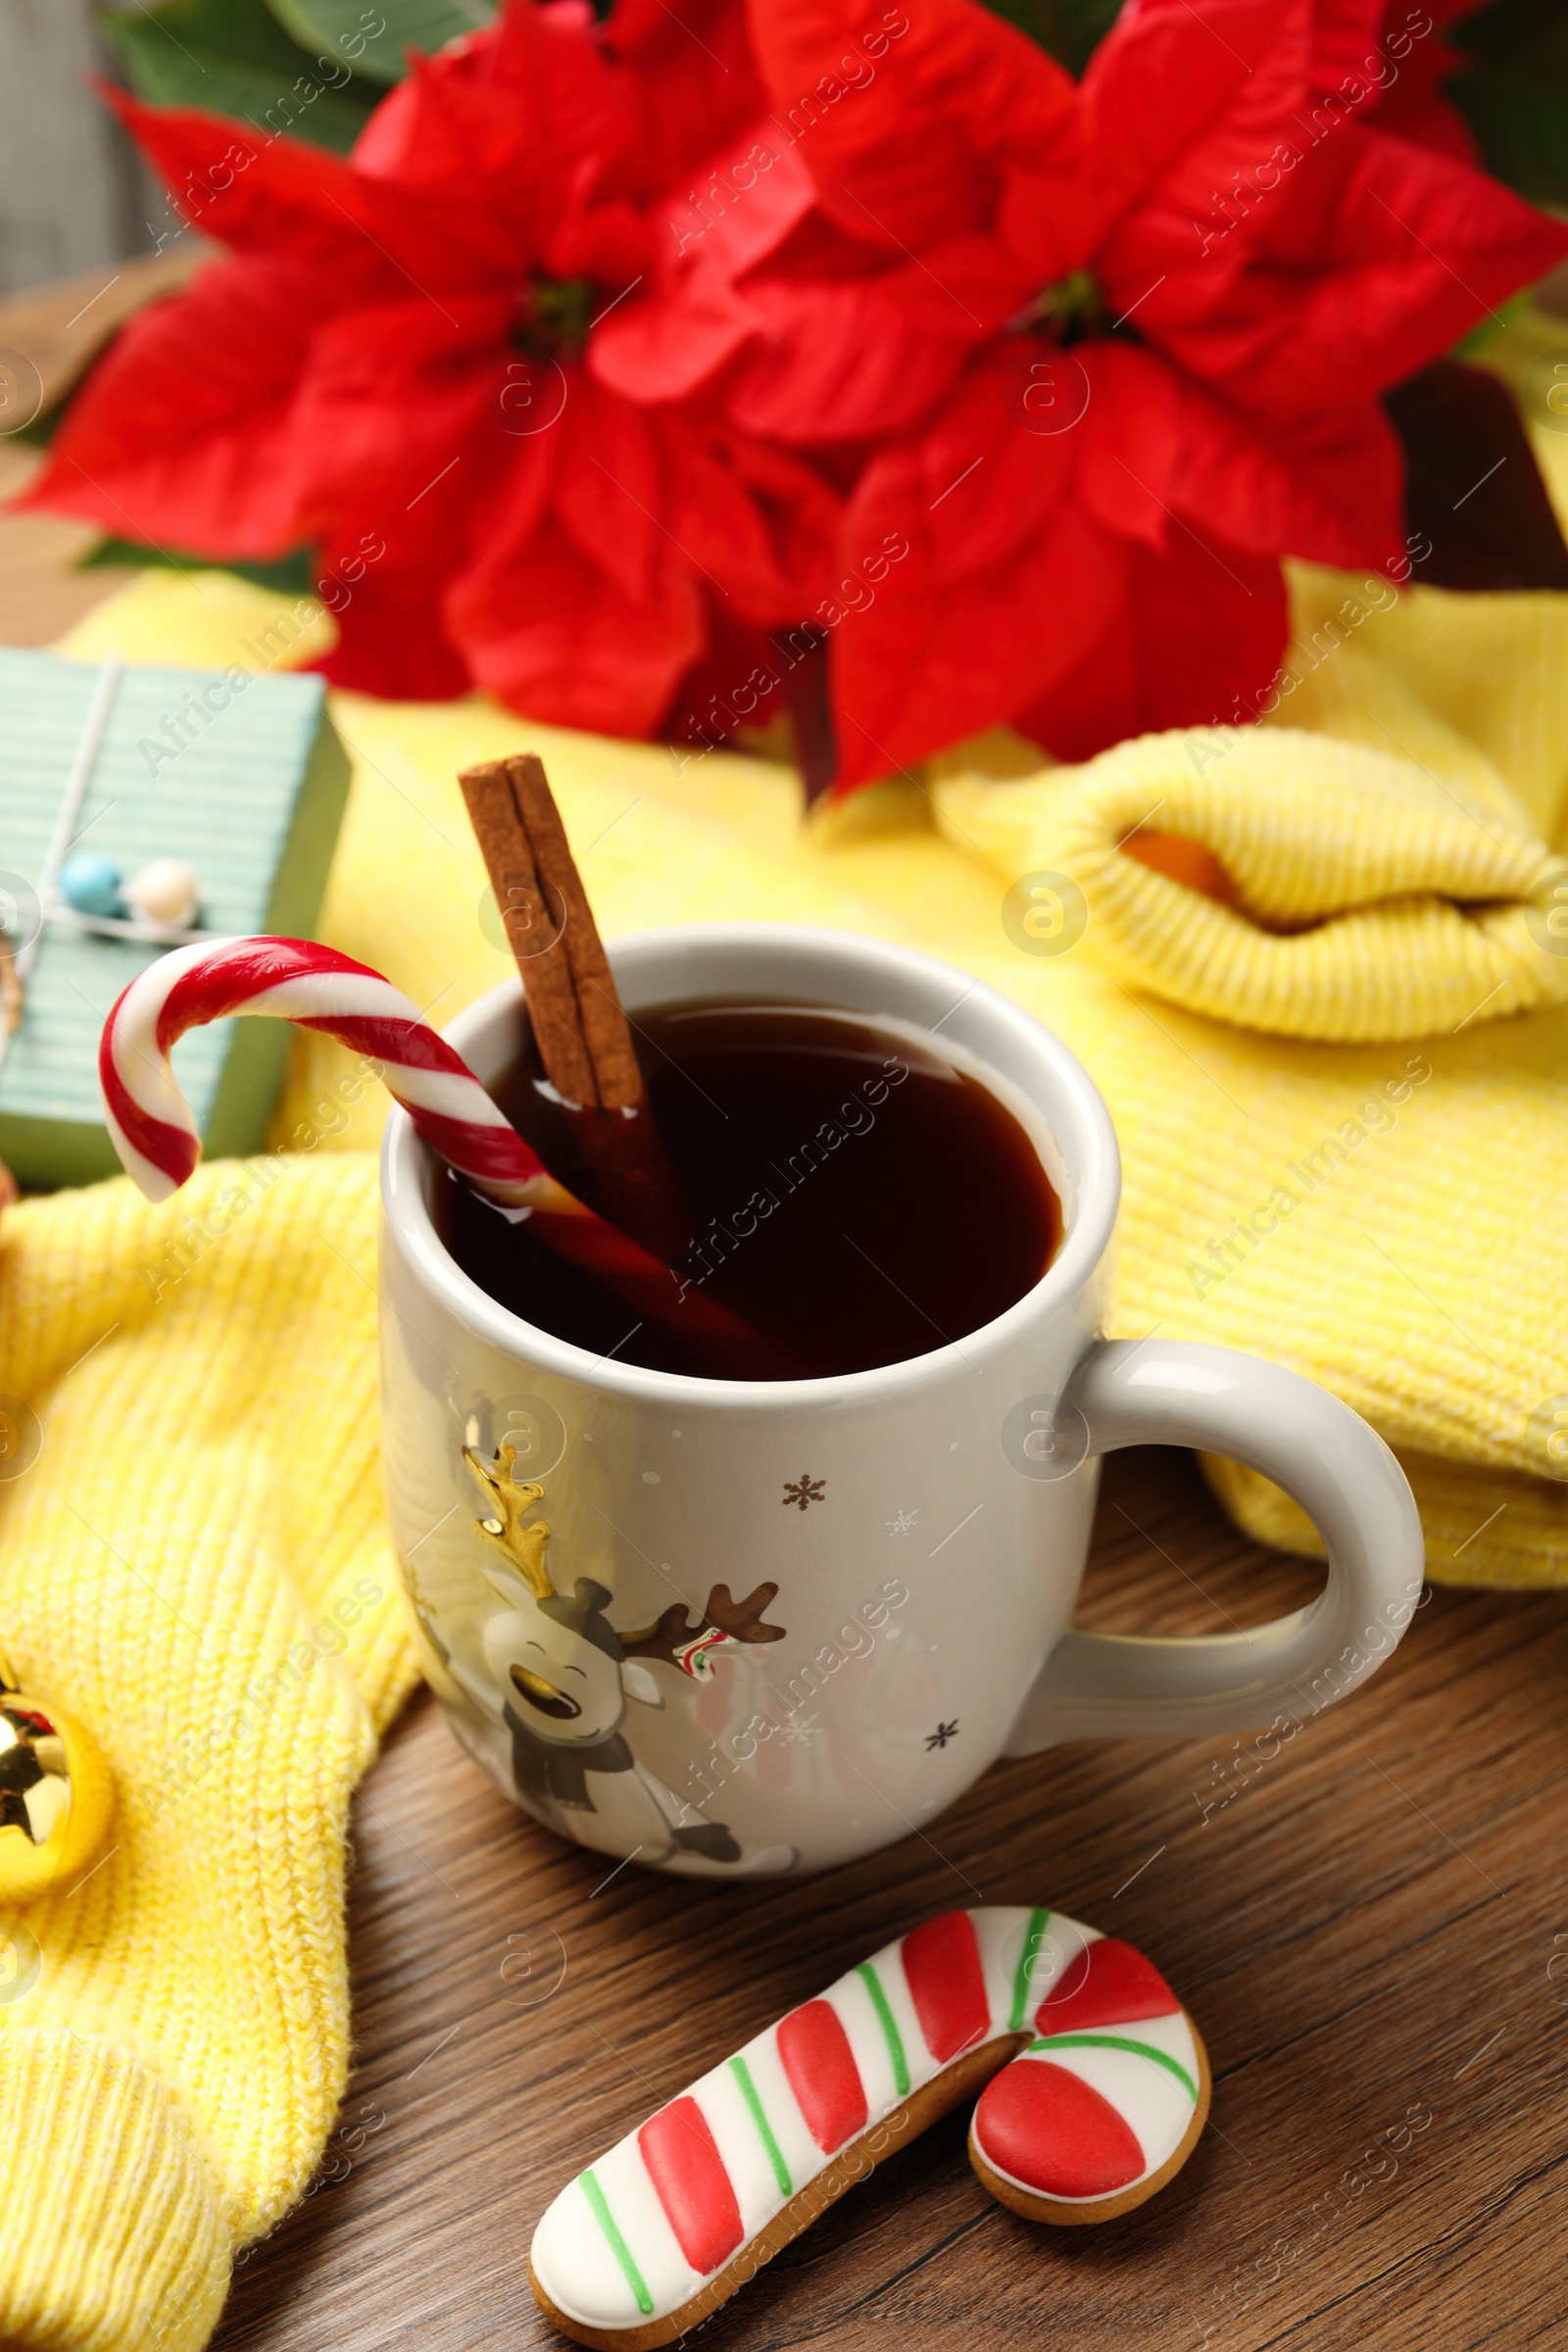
(396, 368)
(612, 347)
(1398, 52)
(1102, 352)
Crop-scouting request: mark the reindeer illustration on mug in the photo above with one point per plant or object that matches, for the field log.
(558, 1679)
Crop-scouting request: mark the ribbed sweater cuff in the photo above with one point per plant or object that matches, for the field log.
(113, 2233)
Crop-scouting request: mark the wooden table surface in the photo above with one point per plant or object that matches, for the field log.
(1365, 1930)
(1370, 1924)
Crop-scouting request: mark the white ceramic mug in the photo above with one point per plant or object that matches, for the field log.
(594, 1636)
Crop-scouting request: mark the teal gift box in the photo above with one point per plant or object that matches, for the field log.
(241, 775)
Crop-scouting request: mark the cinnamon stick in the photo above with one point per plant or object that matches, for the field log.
(584, 1036)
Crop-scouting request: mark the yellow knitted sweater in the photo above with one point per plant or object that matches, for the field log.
(195, 1564)
(195, 1567)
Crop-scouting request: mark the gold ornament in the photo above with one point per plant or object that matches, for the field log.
(57, 1796)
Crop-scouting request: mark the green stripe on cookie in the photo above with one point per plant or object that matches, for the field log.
(764, 2129)
(599, 2205)
(1022, 1983)
(1117, 2041)
(879, 2002)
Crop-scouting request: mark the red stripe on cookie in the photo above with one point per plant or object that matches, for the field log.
(823, 2076)
(694, 2189)
(946, 1984)
(1048, 2129)
(1109, 1983)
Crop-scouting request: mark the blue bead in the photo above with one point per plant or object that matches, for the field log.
(90, 883)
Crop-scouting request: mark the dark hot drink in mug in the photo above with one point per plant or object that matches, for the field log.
(852, 1191)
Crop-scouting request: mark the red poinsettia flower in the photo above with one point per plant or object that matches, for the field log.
(1101, 352)
(1398, 53)
(397, 368)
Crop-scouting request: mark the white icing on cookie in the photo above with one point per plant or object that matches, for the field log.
(1108, 2095)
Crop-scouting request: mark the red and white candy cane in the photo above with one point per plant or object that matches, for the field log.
(295, 980)
(1094, 2087)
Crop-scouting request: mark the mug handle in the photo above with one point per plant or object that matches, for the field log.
(1174, 1393)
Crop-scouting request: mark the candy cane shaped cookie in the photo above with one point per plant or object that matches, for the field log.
(1102, 2105)
(296, 980)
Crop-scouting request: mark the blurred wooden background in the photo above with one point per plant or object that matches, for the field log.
(73, 191)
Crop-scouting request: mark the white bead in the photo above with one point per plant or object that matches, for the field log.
(163, 891)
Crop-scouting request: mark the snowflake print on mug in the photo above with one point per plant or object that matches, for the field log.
(804, 1491)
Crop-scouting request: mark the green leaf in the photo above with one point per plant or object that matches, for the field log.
(232, 57)
(242, 31)
(1515, 93)
(1070, 29)
(373, 35)
(289, 576)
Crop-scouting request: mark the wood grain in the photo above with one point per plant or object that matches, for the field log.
(71, 192)
(1366, 1934)
(47, 340)
(59, 330)
(42, 594)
